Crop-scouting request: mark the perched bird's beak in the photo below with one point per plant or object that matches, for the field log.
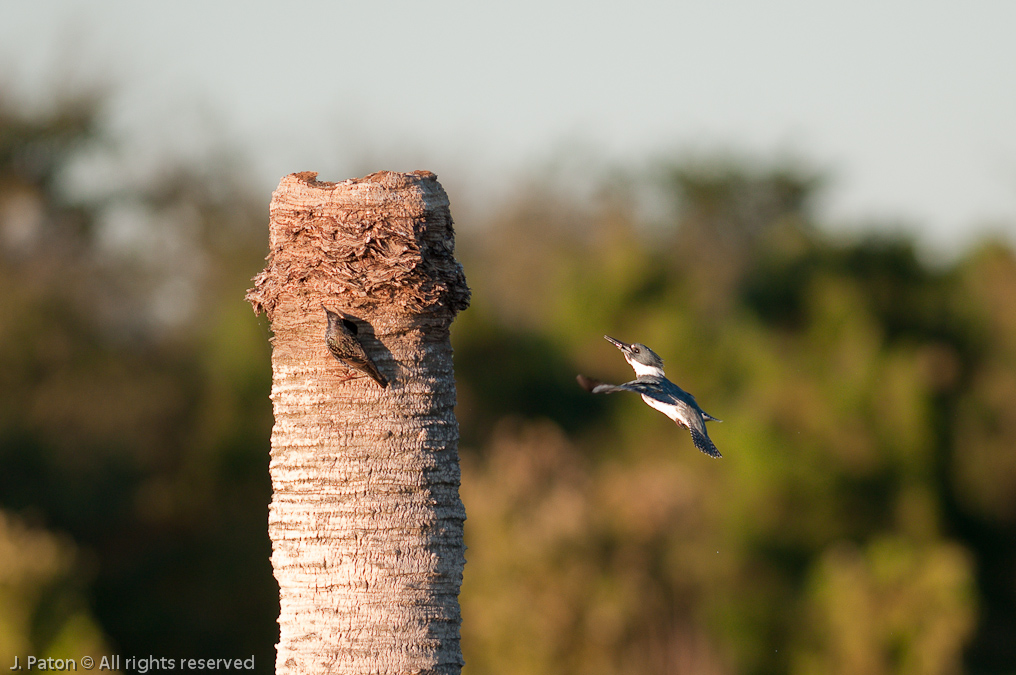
(625, 349)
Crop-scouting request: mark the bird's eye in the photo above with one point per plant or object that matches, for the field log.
(635, 350)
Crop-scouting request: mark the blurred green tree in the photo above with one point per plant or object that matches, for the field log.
(42, 601)
(843, 370)
(892, 608)
(133, 409)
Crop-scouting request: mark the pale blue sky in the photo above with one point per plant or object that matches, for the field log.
(911, 105)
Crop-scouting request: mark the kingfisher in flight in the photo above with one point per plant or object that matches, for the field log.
(340, 336)
(659, 392)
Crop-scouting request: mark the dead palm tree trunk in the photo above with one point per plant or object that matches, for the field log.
(365, 520)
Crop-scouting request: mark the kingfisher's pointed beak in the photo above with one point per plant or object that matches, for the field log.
(617, 343)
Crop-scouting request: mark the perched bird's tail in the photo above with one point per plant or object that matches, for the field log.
(372, 371)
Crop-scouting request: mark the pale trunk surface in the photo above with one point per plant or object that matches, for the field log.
(365, 520)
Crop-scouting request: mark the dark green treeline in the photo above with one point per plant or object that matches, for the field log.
(863, 519)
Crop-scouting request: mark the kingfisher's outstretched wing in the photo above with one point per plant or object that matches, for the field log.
(587, 383)
(681, 405)
(658, 388)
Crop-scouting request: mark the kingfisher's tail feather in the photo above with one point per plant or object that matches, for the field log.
(703, 443)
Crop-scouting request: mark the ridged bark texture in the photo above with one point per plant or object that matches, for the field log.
(365, 520)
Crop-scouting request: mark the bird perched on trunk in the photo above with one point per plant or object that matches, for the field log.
(659, 392)
(341, 338)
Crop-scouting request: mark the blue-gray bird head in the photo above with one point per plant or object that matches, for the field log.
(643, 359)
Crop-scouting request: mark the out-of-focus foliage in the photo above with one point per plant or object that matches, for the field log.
(133, 413)
(44, 613)
(895, 607)
(862, 520)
